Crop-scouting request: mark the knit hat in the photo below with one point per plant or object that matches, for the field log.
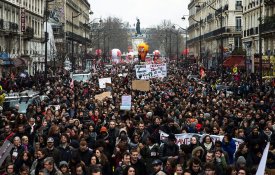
(63, 163)
(241, 160)
(103, 129)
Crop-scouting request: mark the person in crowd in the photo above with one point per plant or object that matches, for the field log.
(138, 165)
(64, 168)
(9, 169)
(50, 167)
(64, 148)
(51, 151)
(38, 163)
(82, 130)
(169, 149)
(129, 170)
(126, 161)
(195, 166)
(157, 166)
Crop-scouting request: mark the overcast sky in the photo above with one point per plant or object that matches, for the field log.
(150, 12)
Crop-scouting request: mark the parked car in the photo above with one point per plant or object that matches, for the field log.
(21, 100)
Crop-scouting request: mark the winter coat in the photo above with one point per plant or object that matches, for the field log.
(167, 151)
(230, 148)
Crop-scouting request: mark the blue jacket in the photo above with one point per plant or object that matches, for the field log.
(230, 148)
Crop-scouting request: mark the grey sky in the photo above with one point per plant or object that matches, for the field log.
(150, 12)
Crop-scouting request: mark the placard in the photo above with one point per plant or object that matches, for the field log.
(126, 102)
(103, 95)
(141, 85)
(102, 82)
(149, 71)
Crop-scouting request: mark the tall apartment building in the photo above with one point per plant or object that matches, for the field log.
(69, 21)
(253, 10)
(21, 28)
(206, 26)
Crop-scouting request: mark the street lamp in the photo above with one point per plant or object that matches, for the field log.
(46, 38)
(75, 16)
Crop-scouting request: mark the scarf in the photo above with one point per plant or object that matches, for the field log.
(208, 145)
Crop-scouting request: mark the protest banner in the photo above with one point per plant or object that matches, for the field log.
(103, 95)
(185, 138)
(262, 165)
(148, 71)
(102, 82)
(141, 85)
(126, 102)
(5, 151)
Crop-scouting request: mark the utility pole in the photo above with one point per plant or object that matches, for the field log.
(73, 60)
(221, 45)
(46, 40)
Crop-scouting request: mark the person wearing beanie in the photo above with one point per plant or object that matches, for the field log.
(64, 168)
(241, 162)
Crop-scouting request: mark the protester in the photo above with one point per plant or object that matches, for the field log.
(179, 126)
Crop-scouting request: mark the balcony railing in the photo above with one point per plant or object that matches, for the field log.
(268, 27)
(237, 30)
(77, 38)
(8, 26)
(29, 33)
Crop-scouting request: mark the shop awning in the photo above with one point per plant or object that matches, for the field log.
(234, 60)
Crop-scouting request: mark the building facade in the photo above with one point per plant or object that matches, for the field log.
(21, 30)
(71, 31)
(253, 10)
(210, 23)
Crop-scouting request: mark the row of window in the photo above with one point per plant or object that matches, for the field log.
(12, 14)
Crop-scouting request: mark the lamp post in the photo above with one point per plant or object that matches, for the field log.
(46, 38)
(73, 59)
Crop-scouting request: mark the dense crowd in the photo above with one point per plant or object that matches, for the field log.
(73, 133)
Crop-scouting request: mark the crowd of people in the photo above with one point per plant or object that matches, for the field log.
(73, 133)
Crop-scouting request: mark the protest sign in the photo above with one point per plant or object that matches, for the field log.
(5, 151)
(141, 85)
(149, 71)
(185, 138)
(103, 95)
(102, 82)
(126, 102)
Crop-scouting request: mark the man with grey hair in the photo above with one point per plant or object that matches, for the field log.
(50, 168)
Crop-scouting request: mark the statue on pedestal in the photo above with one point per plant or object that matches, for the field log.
(138, 27)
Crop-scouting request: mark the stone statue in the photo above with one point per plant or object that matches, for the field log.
(138, 27)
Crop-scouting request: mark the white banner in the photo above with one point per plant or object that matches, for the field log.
(102, 82)
(5, 151)
(185, 138)
(261, 167)
(148, 71)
